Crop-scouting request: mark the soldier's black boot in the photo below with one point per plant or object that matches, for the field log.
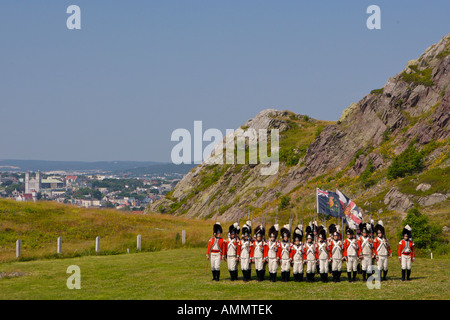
(300, 277)
(217, 275)
(359, 269)
(349, 276)
(214, 275)
(308, 277)
(258, 275)
(408, 274)
(354, 275)
(403, 274)
(274, 277)
(288, 276)
(339, 276)
(321, 277)
(334, 275)
(283, 276)
(384, 275)
(244, 275)
(364, 273)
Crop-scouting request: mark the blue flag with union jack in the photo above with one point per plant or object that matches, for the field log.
(328, 203)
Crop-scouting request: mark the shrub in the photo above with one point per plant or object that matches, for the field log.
(289, 156)
(377, 91)
(285, 201)
(418, 77)
(424, 234)
(408, 162)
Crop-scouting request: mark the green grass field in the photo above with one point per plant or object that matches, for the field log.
(180, 274)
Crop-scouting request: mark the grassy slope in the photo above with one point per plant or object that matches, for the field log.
(180, 274)
(38, 225)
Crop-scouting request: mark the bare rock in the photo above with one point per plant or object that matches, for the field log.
(432, 199)
(395, 200)
(423, 187)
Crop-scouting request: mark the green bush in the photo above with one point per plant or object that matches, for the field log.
(285, 201)
(289, 156)
(377, 91)
(418, 77)
(408, 162)
(424, 234)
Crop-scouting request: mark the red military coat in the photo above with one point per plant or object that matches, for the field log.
(222, 248)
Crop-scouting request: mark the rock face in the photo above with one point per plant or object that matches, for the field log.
(432, 199)
(412, 108)
(423, 187)
(395, 200)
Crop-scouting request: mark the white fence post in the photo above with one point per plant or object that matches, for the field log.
(18, 247)
(97, 244)
(183, 237)
(139, 242)
(59, 245)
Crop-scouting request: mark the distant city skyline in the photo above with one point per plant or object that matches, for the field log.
(116, 89)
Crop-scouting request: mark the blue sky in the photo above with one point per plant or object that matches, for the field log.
(137, 70)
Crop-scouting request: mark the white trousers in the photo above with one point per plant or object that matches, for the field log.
(232, 263)
(352, 263)
(297, 267)
(273, 265)
(382, 263)
(215, 261)
(285, 265)
(323, 265)
(245, 263)
(311, 266)
(366, 263)
(406, 262)
(259, 264)
(336, 265)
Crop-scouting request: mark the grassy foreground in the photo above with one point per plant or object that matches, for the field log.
(38, 225)
(180, 274)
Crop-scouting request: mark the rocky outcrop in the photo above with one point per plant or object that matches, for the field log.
(395, 200)
(412, 107)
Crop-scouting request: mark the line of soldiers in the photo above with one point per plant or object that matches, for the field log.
(317, 255)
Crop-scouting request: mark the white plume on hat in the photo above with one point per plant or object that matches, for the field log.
(277, 227)
(236, 225)
(407, 227)
(249, 223)
(380, 223)
(338, 228)
(286, 226)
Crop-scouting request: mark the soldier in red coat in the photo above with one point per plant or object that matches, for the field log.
(365, 252)
(216, 250)
(245, 248)
(271, 252)
(231, 253)
(257, 252)
(351, 254)
(406, 252)
(381, 249)
(284, 255)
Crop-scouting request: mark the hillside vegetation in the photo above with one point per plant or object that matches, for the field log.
(389, 152)
(38, 225)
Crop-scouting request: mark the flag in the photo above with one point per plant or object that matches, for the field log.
(328, 203)
(351, 210)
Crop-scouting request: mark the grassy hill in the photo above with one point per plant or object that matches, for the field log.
(180, 274)
(39, 224)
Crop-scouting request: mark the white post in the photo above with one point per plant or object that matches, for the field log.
(183, 237)
(431, 255)
(18, 245)
(59, 245)
(97, 244)
(139, 242)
